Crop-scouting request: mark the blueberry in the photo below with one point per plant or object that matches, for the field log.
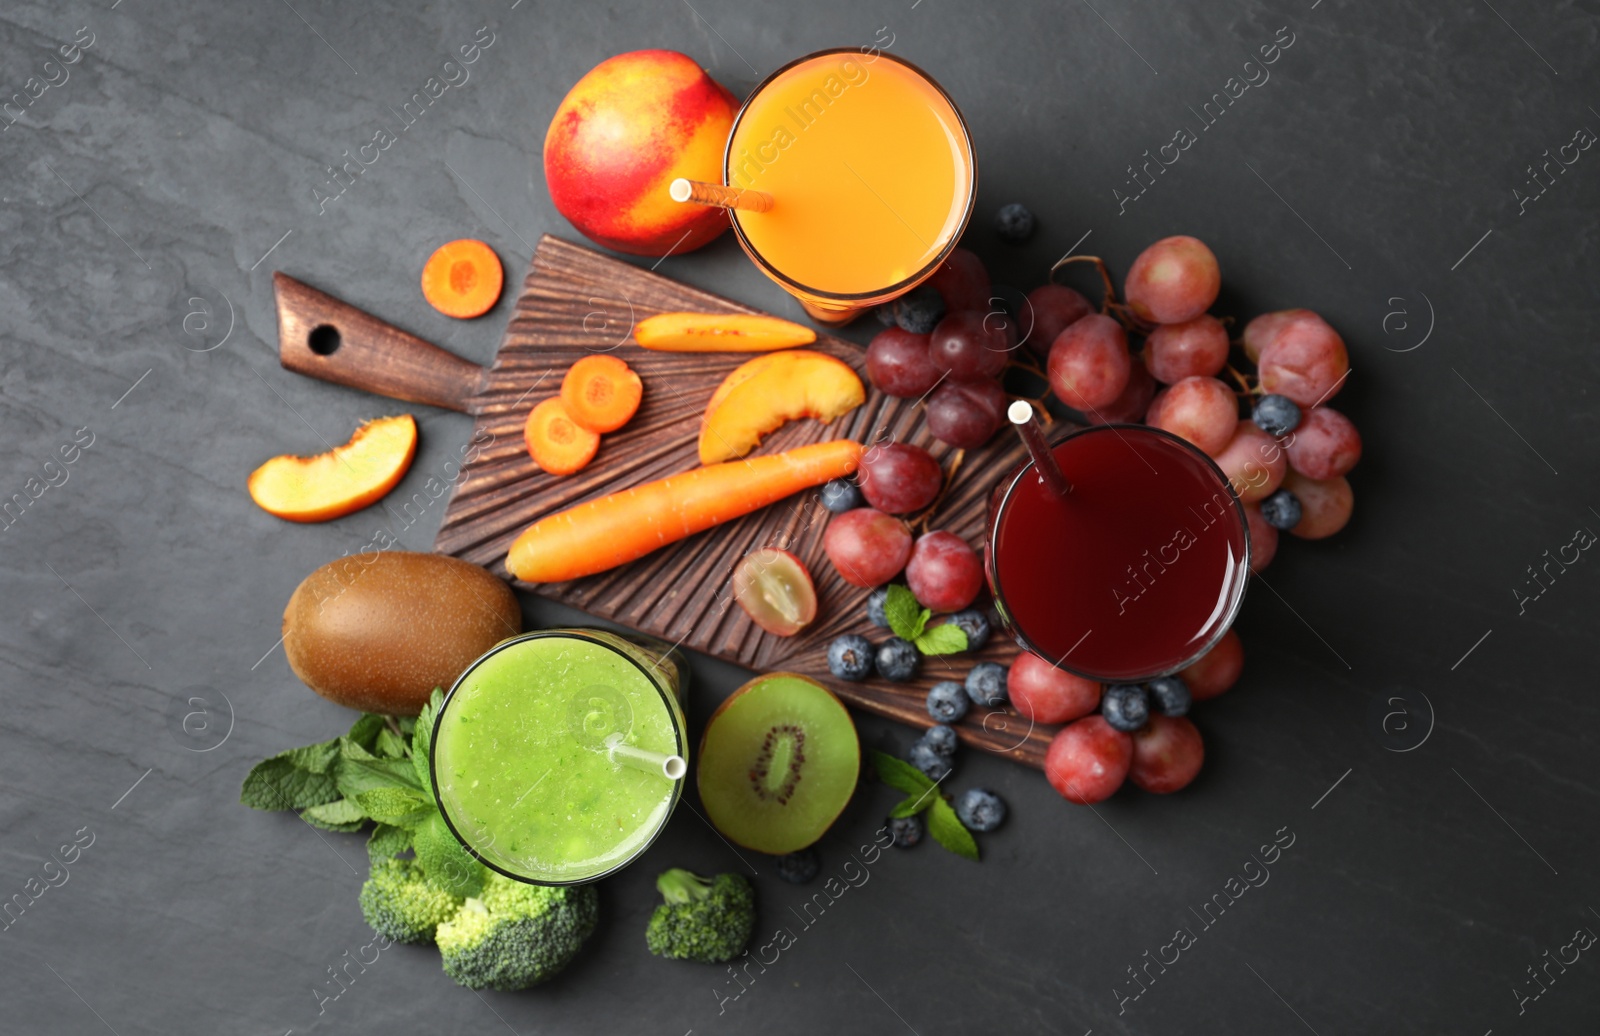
(1014, 223)
(986, 684)
(885, 314)
(800, 867)
(841, 495)
(942, 739)
(975, 625)
(850, 657)
(980, 810)
(1170, 694)
(930, 762)
(1276, 415)
(1281, 510)
(897, 659)
(907, 831)
(919, 310)
(947, 701)
(1126, 707)
(875, 603)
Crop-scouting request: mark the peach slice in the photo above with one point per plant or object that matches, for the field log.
(345, 479)
(719, 333)
(768, 391)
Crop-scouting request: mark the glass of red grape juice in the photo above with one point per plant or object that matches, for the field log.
(1133, 574)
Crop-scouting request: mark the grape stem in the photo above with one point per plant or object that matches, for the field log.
(1108, 301)
(921, 520)
(1244, 382)
(1038, 405)
(1030, 368)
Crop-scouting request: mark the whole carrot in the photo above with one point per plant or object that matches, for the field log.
(601, 534)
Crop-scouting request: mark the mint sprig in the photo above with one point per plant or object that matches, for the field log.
(922, 796)
(909, 621)
(378, 771)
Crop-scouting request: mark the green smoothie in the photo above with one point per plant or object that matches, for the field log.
(520, 756)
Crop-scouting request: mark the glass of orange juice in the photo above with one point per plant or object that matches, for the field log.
(871, 174)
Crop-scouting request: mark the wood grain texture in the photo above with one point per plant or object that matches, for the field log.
(575, 302)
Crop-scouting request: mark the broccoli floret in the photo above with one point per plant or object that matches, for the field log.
(513, 935)
(399, 902)
(705, 920)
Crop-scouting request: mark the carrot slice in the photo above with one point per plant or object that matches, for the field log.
(558, 444)
(463, 279)
(601, 393)
(612, 530)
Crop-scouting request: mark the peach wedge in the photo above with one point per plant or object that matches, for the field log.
(769, 391)
(719, 333)
(341, 481)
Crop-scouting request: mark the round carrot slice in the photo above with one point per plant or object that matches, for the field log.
(556, 444)
(601, 393)
(463, 279)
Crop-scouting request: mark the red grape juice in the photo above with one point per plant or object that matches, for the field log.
(1132, 575)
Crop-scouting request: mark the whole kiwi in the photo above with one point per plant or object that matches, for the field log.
(379, 631)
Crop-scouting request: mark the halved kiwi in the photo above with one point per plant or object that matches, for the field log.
(778, 762)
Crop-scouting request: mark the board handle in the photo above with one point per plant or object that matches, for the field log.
(323, 337)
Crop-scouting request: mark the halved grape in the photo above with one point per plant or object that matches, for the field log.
(775, 590)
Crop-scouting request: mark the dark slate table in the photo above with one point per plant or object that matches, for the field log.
(1416, 727)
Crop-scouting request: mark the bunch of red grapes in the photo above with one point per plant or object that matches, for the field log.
(1256, 406)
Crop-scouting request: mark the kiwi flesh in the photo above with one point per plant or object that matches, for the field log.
(778, 762)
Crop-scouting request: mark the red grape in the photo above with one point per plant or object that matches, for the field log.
(898, 478)
(1253, 462)
(774, 589)
(1131, 404)
(1202, 410)
(1089, 363)
(1044, 693)
(1051, 309)
(1217, 669)
(1195, 347)
(1263, 538)
(1324, 445)
(1167, 754)
(1266, 328)
(966, 413)
(1174, 280)
(972, 346)
(1088, 760)
(1325, 504)
(1302, 358)
(962, 281)
(898, 364)
(943, 572)
(868, 547)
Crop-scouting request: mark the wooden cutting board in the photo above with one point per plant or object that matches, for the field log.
(574, 302)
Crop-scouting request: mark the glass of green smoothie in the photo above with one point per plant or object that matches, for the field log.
(558, 756)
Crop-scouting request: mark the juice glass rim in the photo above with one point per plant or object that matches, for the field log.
(674, 709)
(1244, 562)
(899, 286)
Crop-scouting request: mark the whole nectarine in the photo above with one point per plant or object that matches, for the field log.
(631, 126)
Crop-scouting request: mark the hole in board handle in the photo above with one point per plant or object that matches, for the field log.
(324, 340)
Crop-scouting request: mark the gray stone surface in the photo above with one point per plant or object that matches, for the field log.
(146, 198)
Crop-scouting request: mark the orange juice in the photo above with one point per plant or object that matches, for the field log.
(871, 174)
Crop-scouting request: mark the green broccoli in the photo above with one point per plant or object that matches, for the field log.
(399, 902)
(705, 920)
(513, 935)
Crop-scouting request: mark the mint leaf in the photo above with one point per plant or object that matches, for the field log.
(408, 724)
(361, 771)
(365, 730)
(386, 841)
(390, 745)
(444, 861)
(277, 783)
(948, 830)
(395, 806)
(911, 805)
(317, 758)
(335, 815)
(906, 617)
(900, 775)
(422, 742)
(947, 639)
